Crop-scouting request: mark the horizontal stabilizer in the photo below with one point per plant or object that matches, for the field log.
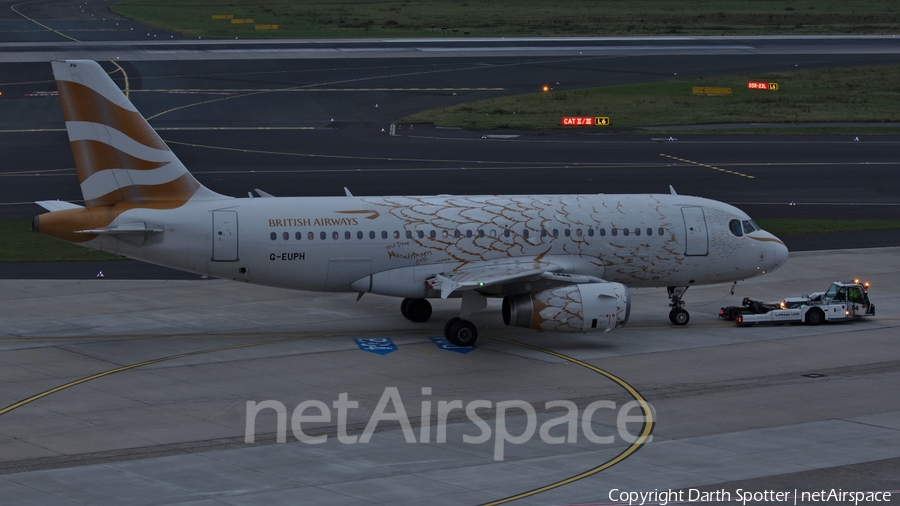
(57, 205)
(126, 228)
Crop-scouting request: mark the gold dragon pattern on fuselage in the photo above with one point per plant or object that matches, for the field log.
(631, 259)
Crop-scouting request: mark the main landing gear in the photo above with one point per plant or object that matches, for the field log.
(678, 315)
(416, 310)
(459, 331)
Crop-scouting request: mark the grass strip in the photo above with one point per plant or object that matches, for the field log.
(19, 244)
(821, 226)
(846, 95)
(508, 18)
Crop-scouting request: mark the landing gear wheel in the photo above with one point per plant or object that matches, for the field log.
(679, 316)
(403, 306)
(450, 323)
(815, 317)
(418, 310)
(462, 333)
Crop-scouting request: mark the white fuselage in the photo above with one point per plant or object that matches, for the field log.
(392, 245)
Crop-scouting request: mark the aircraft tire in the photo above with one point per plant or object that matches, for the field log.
(448, 325)
(403, 306)
(463, 333)
(679, 316)
(418, 310)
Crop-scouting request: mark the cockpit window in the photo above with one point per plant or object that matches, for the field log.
(748, 226)
(735, 226)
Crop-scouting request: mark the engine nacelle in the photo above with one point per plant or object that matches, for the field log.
(587, 307)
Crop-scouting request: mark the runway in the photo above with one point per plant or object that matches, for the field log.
(311, 127)
(124, 390)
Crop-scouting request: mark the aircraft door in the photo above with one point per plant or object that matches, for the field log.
(225, 236)
(696, 236)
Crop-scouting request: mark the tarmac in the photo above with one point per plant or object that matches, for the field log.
(137, 391)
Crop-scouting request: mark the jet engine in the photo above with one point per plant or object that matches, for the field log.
(586, 307)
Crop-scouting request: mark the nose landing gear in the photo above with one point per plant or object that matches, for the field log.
(678, 315)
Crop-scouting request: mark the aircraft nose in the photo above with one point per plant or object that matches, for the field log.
(781, 255)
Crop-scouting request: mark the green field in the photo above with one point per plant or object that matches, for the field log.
(19, 244)
(800, 227)
(507, 18)
(856, 95)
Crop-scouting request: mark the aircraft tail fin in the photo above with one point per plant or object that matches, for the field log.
(120, 159)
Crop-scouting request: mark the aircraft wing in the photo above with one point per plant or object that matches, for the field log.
(485, 274)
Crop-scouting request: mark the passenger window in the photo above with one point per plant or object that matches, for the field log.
(371, 234)
(555, 232)
(625, 231)
(649, 231)
(481, 233)
(445, 234)
(578, 232)
(661, 231)
(432, 234)
(323, 235)
(310, 236)
(637, 231)
(524, 232)
(506, 232)
(543, 232)
(334, 235)
(286, 236)
(384, 234)
(735, 227)
(298, 236)
(396, 234)
(456, 233)
(591, 232)
(602, 232)
(468, 233)
(359, 235)
(273, 235)
(615, 231)
(409, 234)
(420, 233)
(347, 235)
(568, 233)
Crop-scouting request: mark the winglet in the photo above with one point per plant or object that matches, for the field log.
(347, 192)
(672, 190)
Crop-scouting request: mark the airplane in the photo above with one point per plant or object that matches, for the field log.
(560, 262)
